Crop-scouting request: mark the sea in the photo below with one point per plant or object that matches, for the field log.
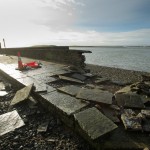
(130, 58)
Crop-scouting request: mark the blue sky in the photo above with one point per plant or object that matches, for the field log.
(75, 22)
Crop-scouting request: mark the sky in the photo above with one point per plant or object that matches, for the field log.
(75, 22)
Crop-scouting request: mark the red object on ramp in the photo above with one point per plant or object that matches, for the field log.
(32, 64)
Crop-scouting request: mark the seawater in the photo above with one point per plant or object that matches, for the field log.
(130, 58)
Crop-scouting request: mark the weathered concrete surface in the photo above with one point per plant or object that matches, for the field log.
(70, 89)
(95, 95)
(65, 103)
(22, 95)
(9, 122)
(94, 123)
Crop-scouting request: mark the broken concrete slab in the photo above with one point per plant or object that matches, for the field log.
(78, 76)
(101, 80)
(93, 123)
(120, 83)
(146, 113)
(70, 79)
(43, 88)
(70, 89)
(90, 75)
(130, 100)
(95, 95)
(43, 127)
(3, 93)
(65, 103)
(145, 99)
(131, 121)
(146, 125)
(32, 103)
(9, 122)
(22, 95)
(126, 89)
(110, 113)
(26, 81)
(61, 72)
(2, 86)
(43, 78)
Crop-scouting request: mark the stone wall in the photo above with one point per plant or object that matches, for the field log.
(60, 54)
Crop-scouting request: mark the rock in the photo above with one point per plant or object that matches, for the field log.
(130, 120)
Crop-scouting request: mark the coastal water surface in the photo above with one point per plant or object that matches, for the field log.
(130, 58)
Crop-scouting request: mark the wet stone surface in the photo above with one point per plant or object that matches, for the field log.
(94, 123)
(65, 103)
(95, 95)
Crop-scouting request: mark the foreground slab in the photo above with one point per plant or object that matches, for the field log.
(9, 122)
(94, 123)
(95, 95)
(65, 103)
(22, 95)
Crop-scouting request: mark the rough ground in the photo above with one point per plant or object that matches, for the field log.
(116, 73)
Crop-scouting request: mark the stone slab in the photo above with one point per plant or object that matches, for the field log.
(21, 95)
(101, 80)
(130, 100)
(94, 123)
(126, 89)
(110, 113)
(26, 81)
(78, 76)
(43, 88)
(70, 89)
(146, 125)
(9, 122)
(70, 79)
(61, 72)
(65, 103)
(43, 78)
(95, 95)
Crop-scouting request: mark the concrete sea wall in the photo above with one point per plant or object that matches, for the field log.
(59, 54)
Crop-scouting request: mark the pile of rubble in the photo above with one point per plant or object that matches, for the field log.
(25, 124)
(135, 103)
